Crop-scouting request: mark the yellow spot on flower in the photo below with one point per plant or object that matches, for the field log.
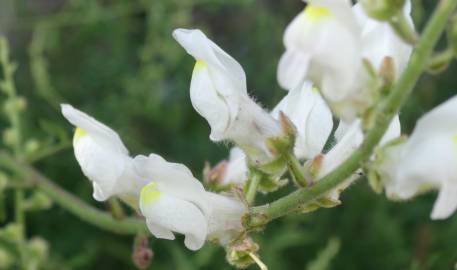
(199, 64)
(314, 13)
(79, 133)
(149, 193)
(454, 139)
(315, 89)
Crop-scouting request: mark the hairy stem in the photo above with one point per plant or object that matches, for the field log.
(71, 203)
(384, 113)
(253, 184)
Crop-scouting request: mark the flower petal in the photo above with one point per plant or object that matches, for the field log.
(308, 111)
(100, 153)
(166, 214)
(292, 68)
(173, 179)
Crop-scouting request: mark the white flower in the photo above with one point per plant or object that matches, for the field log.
(170, 198)
(218, 93)
(426, 161)
(338, 70)
(309, 113)
(174, 201)
(101, 154)
(310, 41)
(379, 40)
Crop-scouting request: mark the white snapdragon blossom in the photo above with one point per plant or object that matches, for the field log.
(426, 161)
(218, 93)
(101, 154)
(170, 198)
(312, 118)
(340, 74)
(310, 115)
(174, 201)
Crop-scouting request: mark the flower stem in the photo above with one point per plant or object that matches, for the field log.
(71, 203)
(253, 184)
(384, 113)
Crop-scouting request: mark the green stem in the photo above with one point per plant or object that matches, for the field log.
(296, 171)
(386, 110)
(253, 184)
(71, 203)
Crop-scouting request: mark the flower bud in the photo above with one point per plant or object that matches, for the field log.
(10, 136)
(38, 201)
(14, 105)
(240, 254)
(382, 10)
(12, 232)
(31, 146)
(38, 248)
(6, 260)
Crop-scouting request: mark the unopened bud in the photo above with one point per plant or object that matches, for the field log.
(38, 201)
(387, 71)
(6, 260)
(142, 255)
(38, 248)
(31, 146)
(14, 105)
(213, 176)
(240, 254)
(10, 136)
(382, 10)
(12, 232)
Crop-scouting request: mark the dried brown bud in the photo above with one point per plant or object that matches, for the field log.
(142, 255)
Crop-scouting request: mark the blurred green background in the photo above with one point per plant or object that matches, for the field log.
(116, 60)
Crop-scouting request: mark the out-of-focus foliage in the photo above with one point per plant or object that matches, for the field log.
(116, 60)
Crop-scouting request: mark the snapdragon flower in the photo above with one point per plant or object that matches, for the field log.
(328, 42)
(313, 121)
(168, 195)
(218, 93)
(312, 118)
(426, 161)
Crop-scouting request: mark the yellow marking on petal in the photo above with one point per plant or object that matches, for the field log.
(315, 89)
(199, 64)
(149, 193)
(314, 13)
(79, 133)
(454, 139)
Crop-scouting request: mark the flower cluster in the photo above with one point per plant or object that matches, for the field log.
(338, 63)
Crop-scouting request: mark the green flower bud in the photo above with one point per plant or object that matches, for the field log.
(382, 10)
(241, 254)
(14, 105)
(31, 146)
(38, 201)
(6, 260)
(10, 136)
(11, 232)
(38, 248)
